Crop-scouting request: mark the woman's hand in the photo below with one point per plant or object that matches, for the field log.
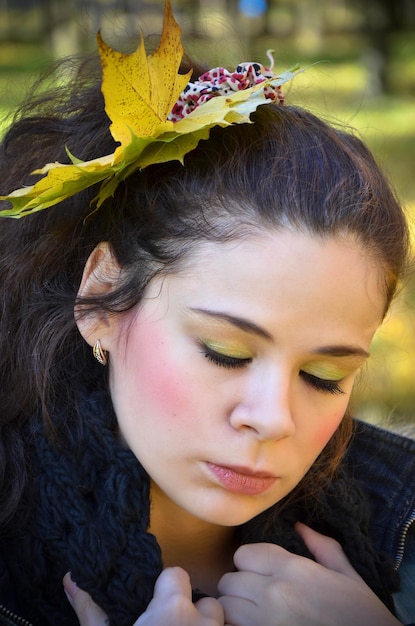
(88, 613)
(171, 605)
(273, 587)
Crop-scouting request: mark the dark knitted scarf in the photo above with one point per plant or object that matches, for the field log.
(89, 514)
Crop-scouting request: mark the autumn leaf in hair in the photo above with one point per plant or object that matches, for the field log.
(142, 95)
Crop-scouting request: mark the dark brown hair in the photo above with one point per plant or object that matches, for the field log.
(287, 168)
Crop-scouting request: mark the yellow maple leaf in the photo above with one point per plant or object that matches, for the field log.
(140, 91)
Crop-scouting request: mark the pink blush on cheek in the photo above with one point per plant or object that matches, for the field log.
(326, 429)
(160, 378)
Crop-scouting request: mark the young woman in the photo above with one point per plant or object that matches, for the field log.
(176, 365)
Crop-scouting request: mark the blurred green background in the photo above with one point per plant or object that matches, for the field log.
(360, 60)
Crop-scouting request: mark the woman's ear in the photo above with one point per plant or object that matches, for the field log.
(100, 275)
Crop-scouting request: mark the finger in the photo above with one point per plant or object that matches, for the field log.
(88, 613)
(259, 558)
(327, 551)
(238, 611)
(172, 581)
(211, 609)
(242, 584)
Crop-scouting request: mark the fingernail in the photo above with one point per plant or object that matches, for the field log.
(70, 587)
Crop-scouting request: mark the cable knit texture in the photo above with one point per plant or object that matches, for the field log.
(89, 514)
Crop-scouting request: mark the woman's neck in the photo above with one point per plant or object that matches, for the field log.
(203, 549)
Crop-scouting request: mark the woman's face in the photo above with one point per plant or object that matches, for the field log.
(232, 376)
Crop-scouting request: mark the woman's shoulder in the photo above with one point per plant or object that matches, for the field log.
(382, 462)
(405, 598)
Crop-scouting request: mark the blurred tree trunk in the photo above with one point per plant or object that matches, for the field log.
(308, 25)
(382, 19)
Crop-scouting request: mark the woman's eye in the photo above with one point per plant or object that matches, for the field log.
(224, 360)
(321, 384)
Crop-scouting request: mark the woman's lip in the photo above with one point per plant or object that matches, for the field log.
(242, 480)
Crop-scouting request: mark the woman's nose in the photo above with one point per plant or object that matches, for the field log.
(266, 411)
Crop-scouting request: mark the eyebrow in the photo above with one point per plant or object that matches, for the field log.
(239, 322)
(343, 351)
(250, 327)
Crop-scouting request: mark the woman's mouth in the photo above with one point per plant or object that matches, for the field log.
(242, 480)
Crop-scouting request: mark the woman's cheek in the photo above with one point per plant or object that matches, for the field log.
(161, 381)
(167, 390)
(326, 429)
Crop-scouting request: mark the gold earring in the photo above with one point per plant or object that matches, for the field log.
(99, 353)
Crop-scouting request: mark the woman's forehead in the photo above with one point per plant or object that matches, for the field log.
(279, 279)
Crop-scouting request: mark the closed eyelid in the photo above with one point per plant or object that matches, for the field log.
(327, 371)
(227, 349)
(355, 352)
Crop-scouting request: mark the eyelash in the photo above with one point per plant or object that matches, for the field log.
(222, 360)
(230, 362)
(321, 384)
